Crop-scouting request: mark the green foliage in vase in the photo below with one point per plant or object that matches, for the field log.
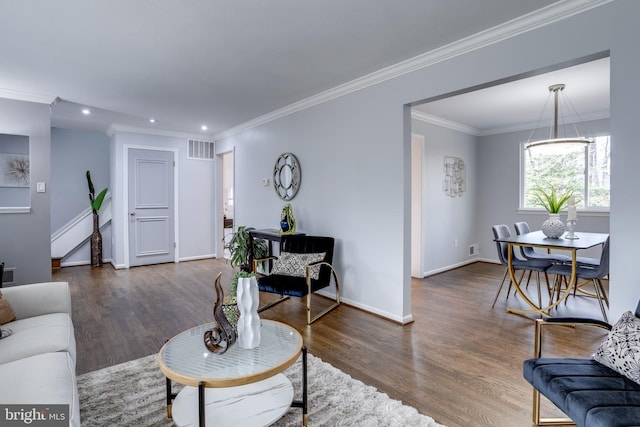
(233, 292)
(553, 201)
(287, 214)
(95, 202)
(239, 248)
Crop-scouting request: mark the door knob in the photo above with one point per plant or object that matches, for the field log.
(132, 214)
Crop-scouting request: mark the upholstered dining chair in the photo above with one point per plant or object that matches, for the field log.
(594, 273)
(539, 266)
(529, 253)
(303, 267)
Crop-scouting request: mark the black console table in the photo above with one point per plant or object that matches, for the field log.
(270, 235)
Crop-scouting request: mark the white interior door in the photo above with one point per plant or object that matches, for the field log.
(151, 207)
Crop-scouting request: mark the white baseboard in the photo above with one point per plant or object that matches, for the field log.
(461, 264)
(367, 308)
(83, 262)
(196, 258)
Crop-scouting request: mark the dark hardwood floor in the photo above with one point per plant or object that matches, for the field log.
(459, 362)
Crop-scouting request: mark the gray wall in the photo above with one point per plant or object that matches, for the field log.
(446, 220)
(73, 152)
(354, 152)
(26, 243)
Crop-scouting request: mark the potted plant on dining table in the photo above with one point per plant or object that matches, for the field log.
(553, 201)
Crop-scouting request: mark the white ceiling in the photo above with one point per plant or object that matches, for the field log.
(223, 62)
(525, 103)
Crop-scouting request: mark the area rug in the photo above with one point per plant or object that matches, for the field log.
(133, 394)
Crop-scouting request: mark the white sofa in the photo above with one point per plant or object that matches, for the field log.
(38, 360)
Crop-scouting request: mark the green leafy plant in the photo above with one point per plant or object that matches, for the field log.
(239, 248)
(233, 292)
(553, 201)
(96, 202)
(287, 216)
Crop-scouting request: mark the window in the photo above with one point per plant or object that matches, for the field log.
(583, 168)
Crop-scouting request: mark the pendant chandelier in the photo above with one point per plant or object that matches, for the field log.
(555, 138)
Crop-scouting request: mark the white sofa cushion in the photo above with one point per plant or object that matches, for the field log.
(45, 379)
(35, 335)
(39, 298)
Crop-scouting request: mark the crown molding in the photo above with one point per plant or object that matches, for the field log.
(523, 24)
(18, 95)
(439, 121)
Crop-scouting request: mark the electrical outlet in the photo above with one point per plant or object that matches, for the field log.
(455, 243)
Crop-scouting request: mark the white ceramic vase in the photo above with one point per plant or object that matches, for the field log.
(553, 228)
(249, 320)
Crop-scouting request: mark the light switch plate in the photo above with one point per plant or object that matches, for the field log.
(41, 187)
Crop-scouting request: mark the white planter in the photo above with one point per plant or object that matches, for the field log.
(248, 297)
(553, 228)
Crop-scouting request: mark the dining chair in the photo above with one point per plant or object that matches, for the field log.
(529, 252)
(501, 231)
(586, 272)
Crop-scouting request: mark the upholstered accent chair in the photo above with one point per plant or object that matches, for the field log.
(303, 267)
(600, 391)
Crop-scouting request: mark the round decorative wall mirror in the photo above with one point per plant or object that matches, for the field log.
(286, 176)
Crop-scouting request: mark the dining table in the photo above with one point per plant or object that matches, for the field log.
(537, 239)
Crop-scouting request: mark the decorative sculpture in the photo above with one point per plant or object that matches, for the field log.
(223, 335)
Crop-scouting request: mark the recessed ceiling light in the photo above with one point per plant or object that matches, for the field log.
(86, 111)
(152, 120)
(203, 127)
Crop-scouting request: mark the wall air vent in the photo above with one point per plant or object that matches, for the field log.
(473, 249)
(8, 278)
(203, 150)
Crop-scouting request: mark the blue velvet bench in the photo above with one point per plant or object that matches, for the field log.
(588, 392)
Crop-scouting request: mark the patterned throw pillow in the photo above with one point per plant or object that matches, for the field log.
(621, 350)
(291, 264)
(6, 313)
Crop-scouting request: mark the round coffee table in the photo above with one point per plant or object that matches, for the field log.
(240, 387)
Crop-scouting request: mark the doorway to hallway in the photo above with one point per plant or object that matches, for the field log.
(226, 200)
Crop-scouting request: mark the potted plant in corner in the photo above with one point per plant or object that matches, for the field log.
(553, 201)
(240, 250)
(96, 237)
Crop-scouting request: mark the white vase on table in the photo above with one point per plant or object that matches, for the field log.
(249, 321)
(553, 228)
